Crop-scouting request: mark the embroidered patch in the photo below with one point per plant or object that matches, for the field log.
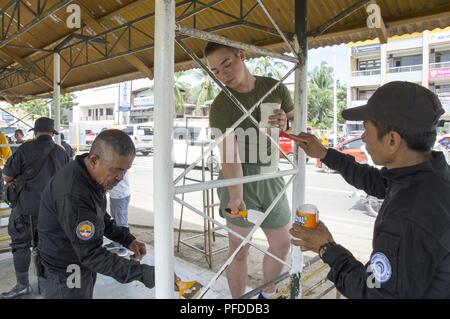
(85, 230)
(381, 267)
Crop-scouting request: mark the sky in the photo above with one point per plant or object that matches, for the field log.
(316, 56)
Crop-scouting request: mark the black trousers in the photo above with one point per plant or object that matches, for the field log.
(60, 285)
(22, 231)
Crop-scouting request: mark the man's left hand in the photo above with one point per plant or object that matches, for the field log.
(138, 248)
(278, 119)
(310, 239)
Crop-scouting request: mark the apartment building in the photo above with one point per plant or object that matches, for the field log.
(420, 58)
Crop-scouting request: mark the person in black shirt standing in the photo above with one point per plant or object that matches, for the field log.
(411, 241)
(23, 219)
(67, 147)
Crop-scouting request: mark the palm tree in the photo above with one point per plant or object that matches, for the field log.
(320, 96)
(181, 88)
(267, 66)
(205, 91)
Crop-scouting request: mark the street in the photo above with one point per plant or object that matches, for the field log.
(343, 214)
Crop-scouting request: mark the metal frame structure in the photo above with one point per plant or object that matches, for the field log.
(164, 20)
(112, 43)
(209, 230)
(12, 21)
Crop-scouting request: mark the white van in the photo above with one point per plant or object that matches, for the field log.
(141, 134)
(189, 138)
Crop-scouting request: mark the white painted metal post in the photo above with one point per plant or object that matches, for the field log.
(335, 127)
(300, 100)
(300, 123)
(163, 167)
(426, 58)
(57, 94)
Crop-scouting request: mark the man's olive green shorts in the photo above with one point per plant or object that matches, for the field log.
(259, 196)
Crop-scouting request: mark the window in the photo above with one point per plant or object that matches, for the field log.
(194, 132)
(109, 111)
(146, 129)
(408, 60)
(128, 130)
(374, 64)
(89, 112)
(101, 112)
(365, 94)
(442, 57)
(353, 144)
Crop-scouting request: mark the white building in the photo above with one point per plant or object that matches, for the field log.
(100, 106)
(420, 58)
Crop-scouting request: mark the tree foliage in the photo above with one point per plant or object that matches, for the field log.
(320, 97)
(40, 107)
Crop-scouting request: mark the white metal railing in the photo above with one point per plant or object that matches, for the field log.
(408, 68)
(439, 65)
(366, 72)
(231, 182)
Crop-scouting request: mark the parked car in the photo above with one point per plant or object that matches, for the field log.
(351, 146)
(189, 141)
(141, 134)
(90, 136)
(287, 145)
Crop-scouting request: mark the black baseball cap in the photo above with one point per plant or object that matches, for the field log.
(400, 104)
(44, 124)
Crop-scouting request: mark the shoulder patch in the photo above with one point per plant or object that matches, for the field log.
(381, 267)
(85, 230)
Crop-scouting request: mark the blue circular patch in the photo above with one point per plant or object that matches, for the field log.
(381, 267)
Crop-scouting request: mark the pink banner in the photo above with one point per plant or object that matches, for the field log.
(440, 73)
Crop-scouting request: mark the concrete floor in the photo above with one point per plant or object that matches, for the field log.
(109, 288)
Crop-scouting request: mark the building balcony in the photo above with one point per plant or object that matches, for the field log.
(357, 103)
(410, 73)
(97, 118)
(365, 78)
(439, 71)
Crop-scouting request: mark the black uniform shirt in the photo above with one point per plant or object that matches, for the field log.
(26, 154)
(72, 223)
(68, 148)
(411, 241)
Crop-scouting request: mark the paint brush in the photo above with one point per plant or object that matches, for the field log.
(188, 289)
(251, 215)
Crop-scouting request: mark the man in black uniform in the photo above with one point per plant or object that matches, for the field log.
(67, 147)
(23, 220)
(73, 221)
(19, 136)
(411, 242)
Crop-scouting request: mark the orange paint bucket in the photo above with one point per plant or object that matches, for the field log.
(307, 215)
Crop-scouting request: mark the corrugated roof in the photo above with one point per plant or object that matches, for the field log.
(123, 32)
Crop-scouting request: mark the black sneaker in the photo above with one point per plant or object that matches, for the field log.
(18, 291)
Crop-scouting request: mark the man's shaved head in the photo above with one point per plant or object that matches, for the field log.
(112, 142)
(111, 155)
